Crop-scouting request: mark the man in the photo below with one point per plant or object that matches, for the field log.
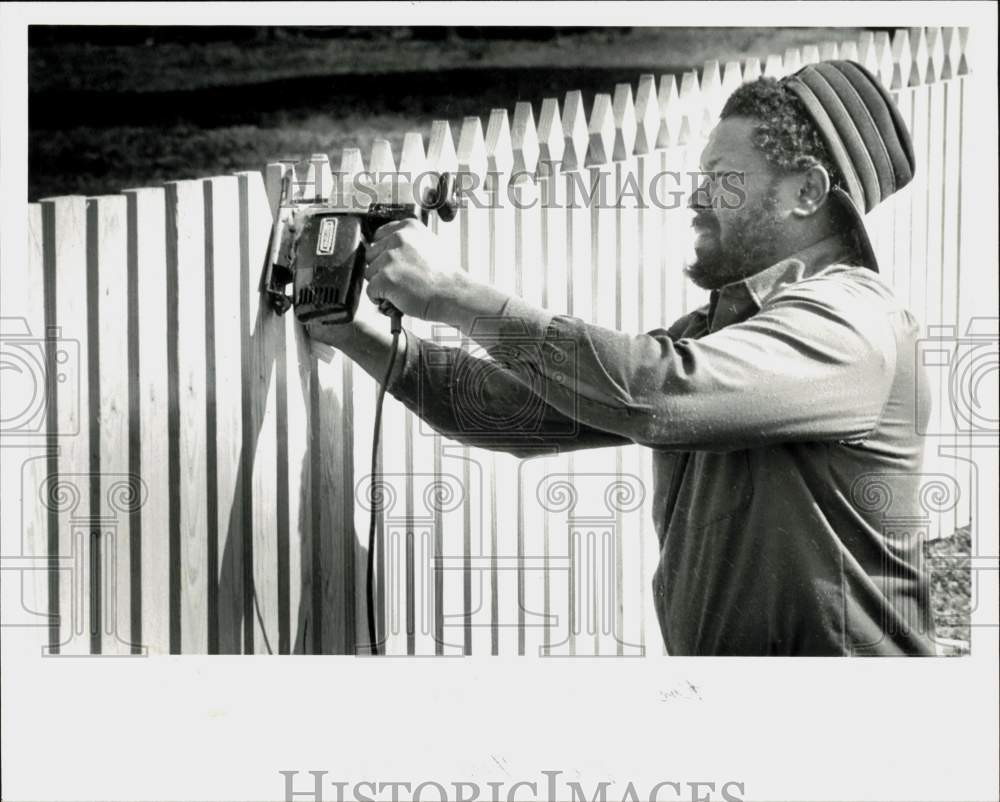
(774, 412)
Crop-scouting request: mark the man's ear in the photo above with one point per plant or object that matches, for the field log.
(813, 191)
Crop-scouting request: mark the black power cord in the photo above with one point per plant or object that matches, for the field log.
(376, 491)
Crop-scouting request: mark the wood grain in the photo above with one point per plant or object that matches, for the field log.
(116, 491)
(67, 490)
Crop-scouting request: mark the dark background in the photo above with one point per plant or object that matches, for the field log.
(112, 107)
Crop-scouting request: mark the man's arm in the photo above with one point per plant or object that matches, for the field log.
(816, 363)
(463, 397)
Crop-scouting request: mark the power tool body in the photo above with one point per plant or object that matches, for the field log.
(317, 247)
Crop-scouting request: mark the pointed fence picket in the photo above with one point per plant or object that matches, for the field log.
(203, 471)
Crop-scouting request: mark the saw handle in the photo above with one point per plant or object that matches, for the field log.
(392, 312)
(443, 200)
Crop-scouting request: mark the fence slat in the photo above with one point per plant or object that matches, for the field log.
(449, 518)
(667, 98)
(224, 434)
(115, 491)
(934, 310)
(963, 38)
(344, 403)
(902, 205)
(711, 97)
(919, 57)
(883, 57)
(650, 316)
(689, 101)
(950, 203)
(504, 521)
(67, 489)
(561, 635)
(647, 115)
(792, 60)
(188, 466)
(265, 558)
(849, 51)
(555, 291)
(594, 560)
(529, 283)
(978, 291)
(672, 167)
(773, 66)
(474, 464)
(901, 59)
(626, 630)
(397, 468)
(810, 54)
(26, 446)
(959, 116)
(426, 538)
(149, 431)
(865, 52)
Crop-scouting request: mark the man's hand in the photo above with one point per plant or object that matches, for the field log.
(408, 268)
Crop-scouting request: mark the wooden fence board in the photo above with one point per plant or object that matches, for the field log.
(951, 132)
(67, 486)
(650, 282)
(26, 446)
(67, 489)
(474, 464)
(529, 282)
(188, 466)
(625, 632)
(115, 491)
(149, 430)
(225, 429)
(260, 426)
(505, 523)
(555, 297)
(449, 536)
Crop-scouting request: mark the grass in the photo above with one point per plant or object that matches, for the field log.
(951, 586)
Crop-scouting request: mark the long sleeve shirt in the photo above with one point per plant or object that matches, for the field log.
(786, 449)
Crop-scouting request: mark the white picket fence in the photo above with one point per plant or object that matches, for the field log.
(193, 478)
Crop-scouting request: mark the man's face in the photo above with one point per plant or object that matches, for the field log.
(738, 209)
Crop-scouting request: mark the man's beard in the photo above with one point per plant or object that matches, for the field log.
(749, 245)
